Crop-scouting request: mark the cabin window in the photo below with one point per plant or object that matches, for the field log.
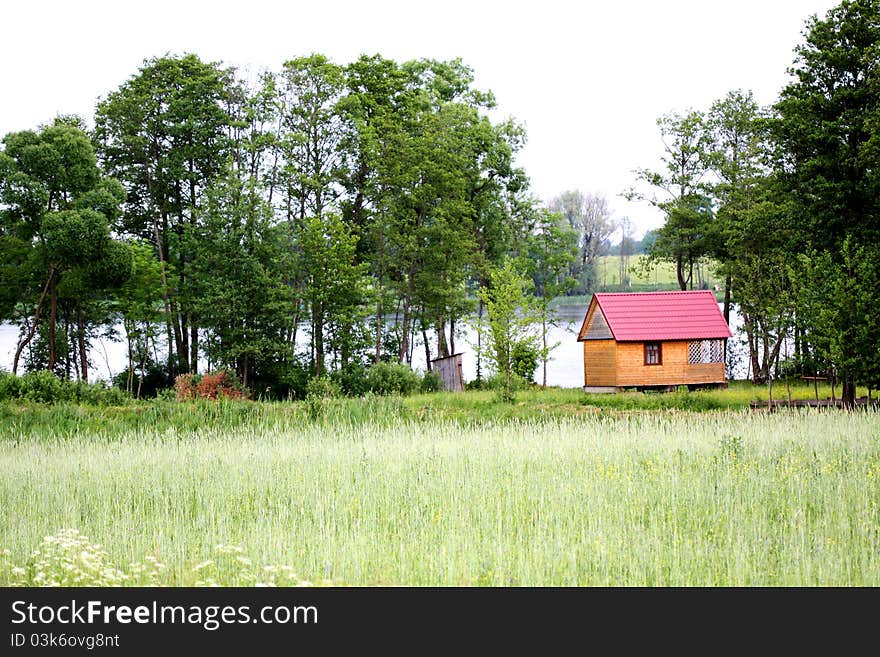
(653, 354)
(705, 351)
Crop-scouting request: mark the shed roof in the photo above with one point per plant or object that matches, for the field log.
(645, 316)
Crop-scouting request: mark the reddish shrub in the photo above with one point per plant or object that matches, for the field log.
(212, 385)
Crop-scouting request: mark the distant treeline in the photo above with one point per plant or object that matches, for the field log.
(214, 218)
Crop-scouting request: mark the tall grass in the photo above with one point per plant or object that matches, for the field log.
(674, 498)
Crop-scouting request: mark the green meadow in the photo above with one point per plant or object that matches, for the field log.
(557, 488)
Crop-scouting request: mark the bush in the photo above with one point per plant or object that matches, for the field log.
(389, 378)
(213, 385)
(352, 380)
(281, 380)
(525, 360)
(431, 382)
(43, 387)
(323, 387)
(477, 384)
(498, 383)
(320, 391)
(99, 394)
(155, 378)
(9, 386)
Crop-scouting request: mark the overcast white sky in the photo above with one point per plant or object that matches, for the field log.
(588, 79)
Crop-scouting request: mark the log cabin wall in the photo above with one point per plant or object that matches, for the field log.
(600, 363)
(674, 370)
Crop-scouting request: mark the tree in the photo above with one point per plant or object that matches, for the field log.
(590, 217)
(163, 134)
(739, 157)
(827, 125)
(428, 177)
(56, 211)
(683, 188)
(334, 286)
(510, 320)
(552, 248)
(831, 292)
(239, 279)
(139, 303)
(310, 132)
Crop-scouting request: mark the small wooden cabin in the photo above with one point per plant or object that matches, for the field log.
(653, 340)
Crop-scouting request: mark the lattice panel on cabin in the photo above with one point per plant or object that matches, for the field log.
(705, 351)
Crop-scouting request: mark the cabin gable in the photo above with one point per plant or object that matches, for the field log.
(595, 327)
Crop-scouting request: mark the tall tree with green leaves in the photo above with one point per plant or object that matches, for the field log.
(681, 191)
(828, 127)
(55, 221)
(740, 159)
(164, 135)
(240, 280)
(335, 287)
(310, 134)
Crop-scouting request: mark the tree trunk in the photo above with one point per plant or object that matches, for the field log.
(70, 342)
(727, 284)
(427, 347)
(81, 339)
(193, 347)
(407, 300)
(451, 336)
(318, 333)
(442, 346)
(544, 349)
(679, 273)
(53, 315)
(848, 394)
(129, 379)
(753, 349)
(179, 345)
(479, 340)
(30, 336)
(379, 320)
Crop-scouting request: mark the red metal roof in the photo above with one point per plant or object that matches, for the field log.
(643, 316)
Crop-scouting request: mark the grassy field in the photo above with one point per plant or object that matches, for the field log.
(661, 276)
(555, 489)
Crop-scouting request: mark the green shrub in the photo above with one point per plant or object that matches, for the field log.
(155, 378)
(431, 382)
(392, 378)
(9, 386)
(323, 387)
(44, 387)
(320, 392)
(525, 360)
(498, 383)
(98, 394)
(352, 380)
(281, 380)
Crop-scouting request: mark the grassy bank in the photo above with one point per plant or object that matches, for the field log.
(24, 419)
(396, 494)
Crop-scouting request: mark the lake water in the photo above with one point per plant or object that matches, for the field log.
(564, 369)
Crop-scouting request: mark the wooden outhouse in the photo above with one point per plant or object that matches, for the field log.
(449, 370)
(653, 340)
